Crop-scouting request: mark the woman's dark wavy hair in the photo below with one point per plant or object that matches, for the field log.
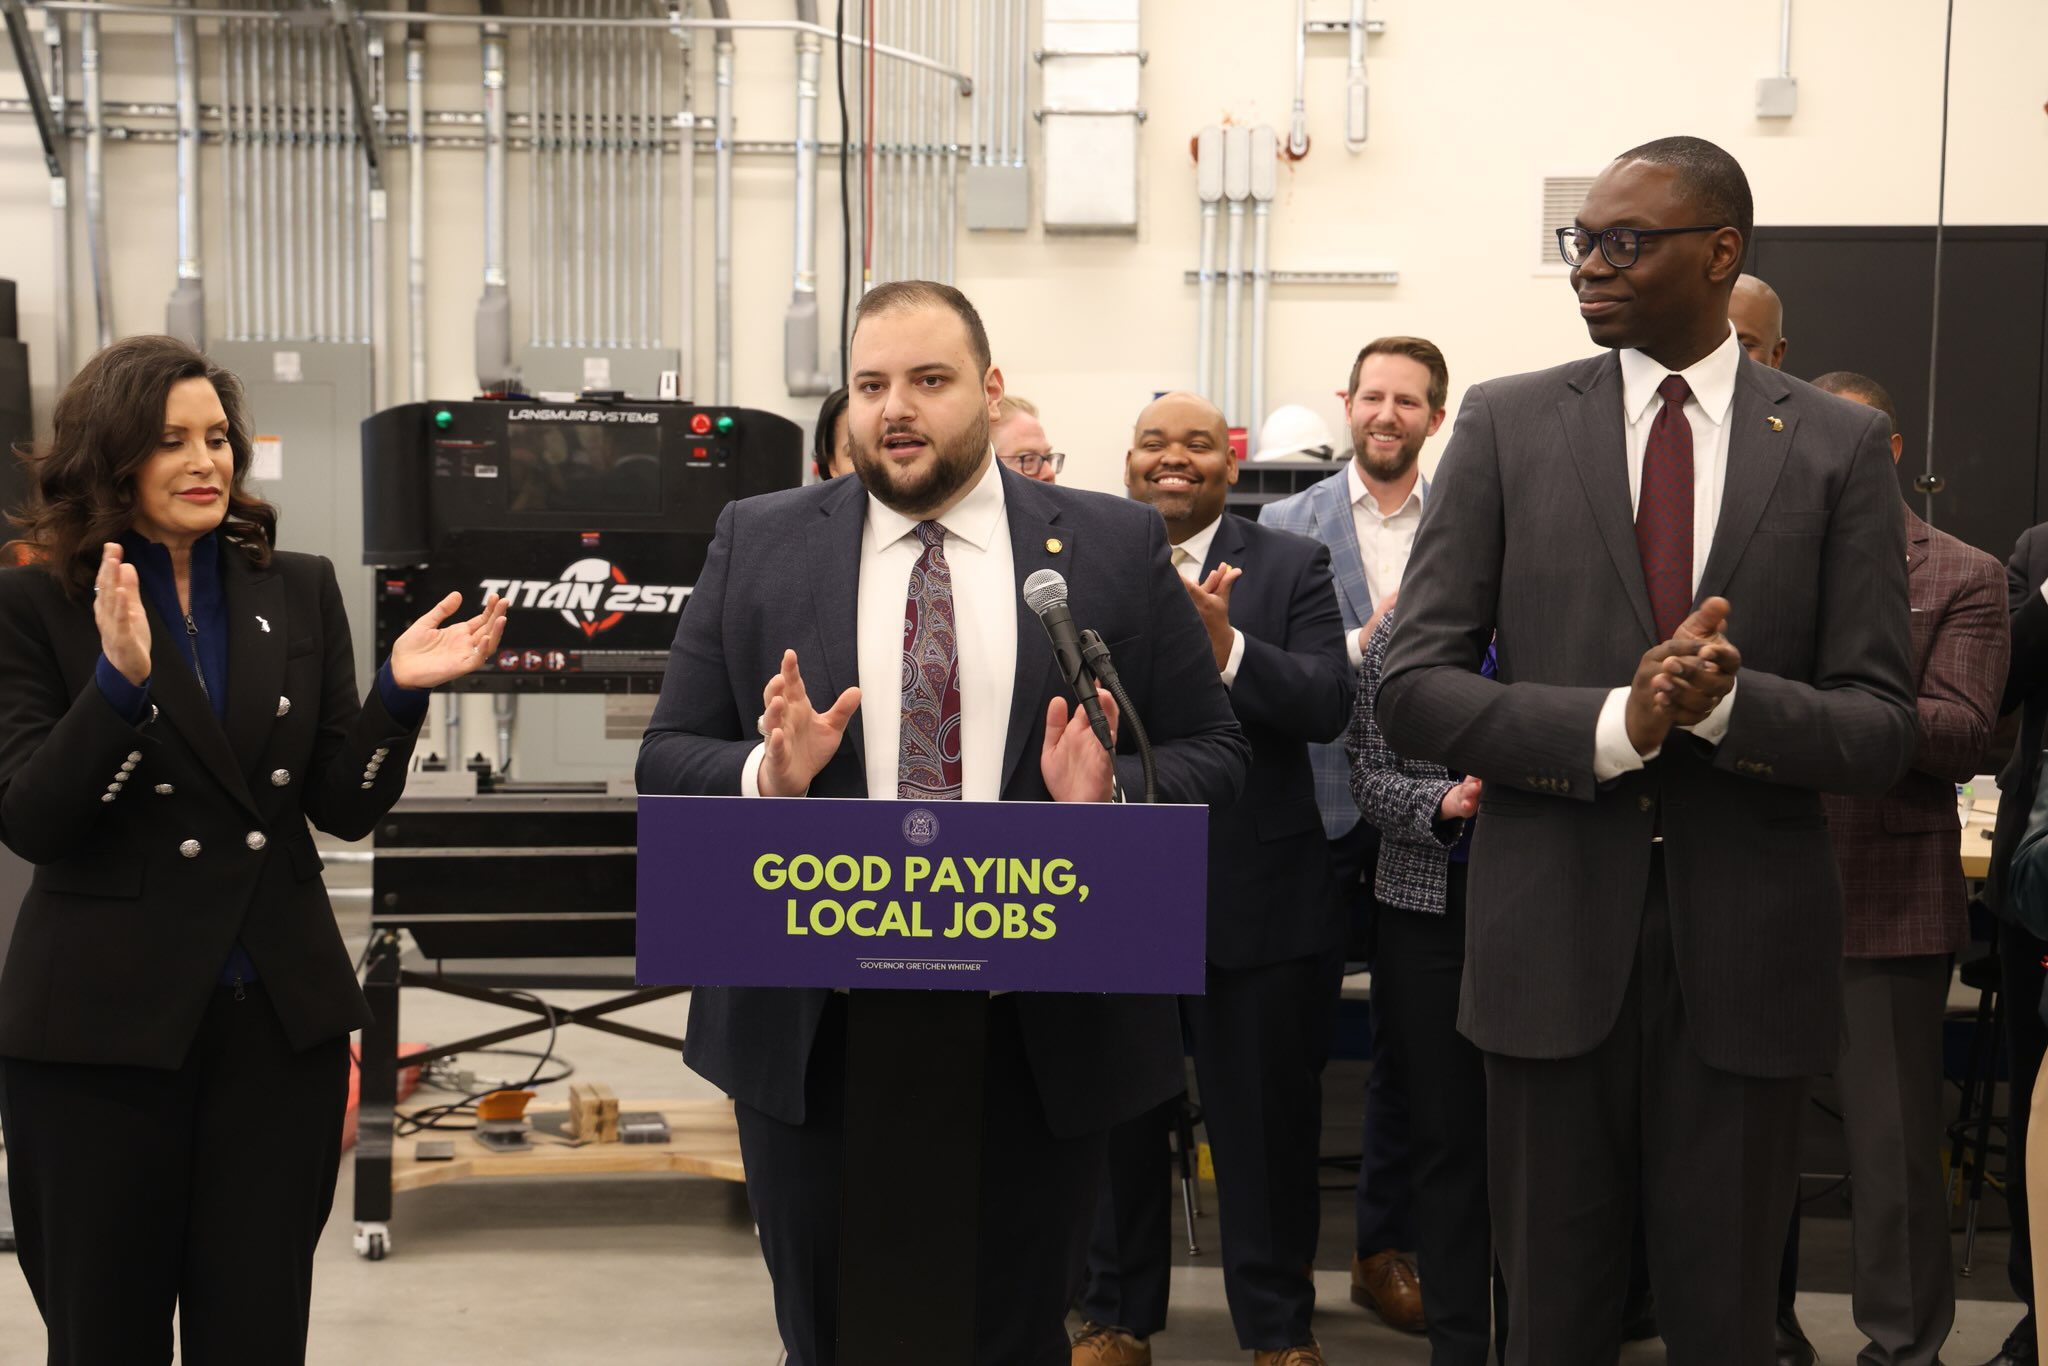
(109, 421)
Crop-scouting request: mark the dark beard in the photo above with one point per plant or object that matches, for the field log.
(1403, 461)
(957, 462)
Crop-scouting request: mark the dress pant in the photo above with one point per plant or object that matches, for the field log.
(1575, 1144)
(1384, 1219)
(1260, 1038)
(1416, 980)
(204, 1190)
(2021, 979)
(1036, 1198)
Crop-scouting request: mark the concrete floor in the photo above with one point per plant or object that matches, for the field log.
(647, 1269)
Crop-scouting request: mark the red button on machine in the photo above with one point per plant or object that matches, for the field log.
(700, 423)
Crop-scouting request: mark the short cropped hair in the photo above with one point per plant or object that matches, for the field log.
(1708, 175)
(1863, 388)
(900, 295)
(1009, 405)
(829, 413)
(1416, 349)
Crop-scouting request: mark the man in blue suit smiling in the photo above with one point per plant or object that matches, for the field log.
(864, 638)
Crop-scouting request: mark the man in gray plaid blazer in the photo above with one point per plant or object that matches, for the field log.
(1368, 515)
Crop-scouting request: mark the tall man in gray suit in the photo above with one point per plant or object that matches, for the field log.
(1653, 957)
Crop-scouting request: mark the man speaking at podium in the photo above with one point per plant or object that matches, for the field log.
(792, 674)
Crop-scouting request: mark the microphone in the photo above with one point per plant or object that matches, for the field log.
(1045, 593)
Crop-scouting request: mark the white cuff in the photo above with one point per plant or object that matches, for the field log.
(1354, 641)
(2044, 590)
(750, 772)
(1613, 753)
(1716, 725)
(1236, 657)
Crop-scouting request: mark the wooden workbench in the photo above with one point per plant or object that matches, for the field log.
(704, 1140)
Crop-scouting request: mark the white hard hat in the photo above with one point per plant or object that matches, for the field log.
(1294, 430)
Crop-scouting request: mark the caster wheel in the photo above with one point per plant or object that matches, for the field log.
(372, 1241)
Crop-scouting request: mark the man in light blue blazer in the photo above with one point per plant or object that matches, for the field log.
(1367, 515)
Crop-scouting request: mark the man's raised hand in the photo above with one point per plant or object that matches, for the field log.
(801, 739)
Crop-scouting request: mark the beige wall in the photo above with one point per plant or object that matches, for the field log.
(1472, 103)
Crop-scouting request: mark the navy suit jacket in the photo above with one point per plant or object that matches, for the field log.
(783, 572)
(1269, 865)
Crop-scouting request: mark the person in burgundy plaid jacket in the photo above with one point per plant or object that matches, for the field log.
(1903, 917)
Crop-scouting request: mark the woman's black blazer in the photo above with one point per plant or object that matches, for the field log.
(157, 845)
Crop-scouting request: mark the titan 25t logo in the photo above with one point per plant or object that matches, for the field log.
(592, 595)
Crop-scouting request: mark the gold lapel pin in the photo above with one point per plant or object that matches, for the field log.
(1053, 545)
(1777, 423)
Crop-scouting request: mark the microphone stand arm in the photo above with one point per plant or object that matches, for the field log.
(1096, 656)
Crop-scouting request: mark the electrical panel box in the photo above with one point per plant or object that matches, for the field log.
(1092, 118)
(1777, 97)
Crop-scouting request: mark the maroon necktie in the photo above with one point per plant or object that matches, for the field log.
(1664, 510)
(928, 765)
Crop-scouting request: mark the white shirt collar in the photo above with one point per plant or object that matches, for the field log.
(1363, 496)
(972, 519)
(1711, 379)
(1198, 544)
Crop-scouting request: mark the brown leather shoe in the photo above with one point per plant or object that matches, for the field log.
(1307, 1355)
(1098, 1344)
(1387, 1284)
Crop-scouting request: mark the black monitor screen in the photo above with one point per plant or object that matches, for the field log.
(584, 467)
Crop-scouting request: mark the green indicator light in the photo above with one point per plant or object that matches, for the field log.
(725, 425)
(444, 419)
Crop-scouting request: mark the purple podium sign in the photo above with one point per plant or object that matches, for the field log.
(966, 896)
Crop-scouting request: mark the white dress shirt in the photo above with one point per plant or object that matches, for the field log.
(1188, 558)
(985, 607)
(1385, 540)
(1712, 381)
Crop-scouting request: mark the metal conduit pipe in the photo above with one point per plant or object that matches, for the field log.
(1000, 75)
(319, 266)
(494, 368)
(377, 279)
(230, 188)
(537, 187)
(722, 210)
(977, 122)
(949, 127)
(1020, 75)
(1265, 153)
(1297, 131)
(1355, 90)
(95, 176)
(289, 219)
(1785, 38)
(609, 150)
(686, 213)
(899, 143)
(1209, 189)
(1236, 189)
(416, 210)
(269, 245)
(657, 246)
(577, 268)
(60, 201)
(802, 373)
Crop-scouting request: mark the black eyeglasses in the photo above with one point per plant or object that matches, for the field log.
(1620, 246)
(1031, 462)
